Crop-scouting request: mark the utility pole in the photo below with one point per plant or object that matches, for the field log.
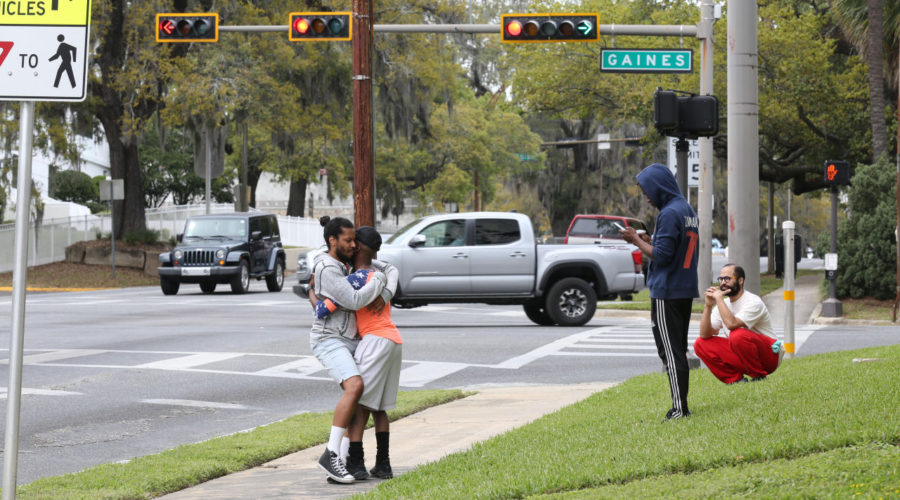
(363, 133)
(743, 149)
(707, 186)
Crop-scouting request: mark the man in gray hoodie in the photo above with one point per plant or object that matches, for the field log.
(333, 339)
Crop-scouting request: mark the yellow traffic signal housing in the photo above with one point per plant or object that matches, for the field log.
(531, 28)
(181, 27)
(321, 26)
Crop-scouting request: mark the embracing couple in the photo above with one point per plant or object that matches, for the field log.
(354, 338)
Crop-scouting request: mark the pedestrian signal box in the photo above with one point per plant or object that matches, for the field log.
(527, 28)
(837, 173)
(321, 26)
(178, 27)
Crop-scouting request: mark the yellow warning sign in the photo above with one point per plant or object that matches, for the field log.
(45, 12)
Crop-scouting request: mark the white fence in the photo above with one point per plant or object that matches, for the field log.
(48, 244)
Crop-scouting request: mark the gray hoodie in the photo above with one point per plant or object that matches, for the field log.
(331, 281)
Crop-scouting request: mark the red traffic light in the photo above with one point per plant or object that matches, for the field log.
(522, 28)
(301, 25)
(178, 27)
(514, 28)
(167, 27)
(320, 26)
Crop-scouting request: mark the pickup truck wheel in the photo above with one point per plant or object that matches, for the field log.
(208, 287)
(169, 286)
(571, 302)
(241, 283)
(537, 314)
(275, 281)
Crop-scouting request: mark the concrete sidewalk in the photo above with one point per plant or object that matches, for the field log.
(423, 437)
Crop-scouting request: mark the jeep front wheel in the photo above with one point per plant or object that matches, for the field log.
(169, 286)
(241, 282)
(275, 281)
(571, 302)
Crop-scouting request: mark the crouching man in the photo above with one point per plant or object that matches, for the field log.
(749, 346)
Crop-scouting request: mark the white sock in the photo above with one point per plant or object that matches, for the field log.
(334, 443)
(345, 448)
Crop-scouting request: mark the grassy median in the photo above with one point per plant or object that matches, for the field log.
(184, 466)
(821, 426)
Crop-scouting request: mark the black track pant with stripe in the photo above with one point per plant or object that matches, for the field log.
(671, 318)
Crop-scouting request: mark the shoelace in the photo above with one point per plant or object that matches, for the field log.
(338, 465)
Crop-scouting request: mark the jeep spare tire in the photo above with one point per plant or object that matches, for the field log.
(571, 302)
(241, 282)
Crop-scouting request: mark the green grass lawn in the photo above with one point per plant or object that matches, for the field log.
(821, 426)
(184, 466)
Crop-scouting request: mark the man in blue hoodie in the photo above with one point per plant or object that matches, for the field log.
(672, 278)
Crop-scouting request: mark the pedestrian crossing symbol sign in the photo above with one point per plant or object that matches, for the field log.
(43, 50)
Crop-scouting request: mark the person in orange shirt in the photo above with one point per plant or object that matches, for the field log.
(378, 356)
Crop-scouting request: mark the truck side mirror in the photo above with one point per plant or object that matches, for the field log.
(256, 235)
(417, 240)
(179, 237)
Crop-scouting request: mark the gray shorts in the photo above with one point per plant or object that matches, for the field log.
(336, 355)
(379, 362)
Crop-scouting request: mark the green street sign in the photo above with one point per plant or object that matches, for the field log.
(646, 60)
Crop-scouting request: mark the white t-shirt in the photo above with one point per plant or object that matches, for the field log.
(750, 309)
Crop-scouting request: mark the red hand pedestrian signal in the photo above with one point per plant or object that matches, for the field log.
(837, 173)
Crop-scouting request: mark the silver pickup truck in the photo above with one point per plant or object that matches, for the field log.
(492, 258)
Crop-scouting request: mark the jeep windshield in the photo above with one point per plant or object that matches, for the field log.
(225, 228)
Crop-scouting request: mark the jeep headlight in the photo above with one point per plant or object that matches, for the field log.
(178, 254)
(220, 254)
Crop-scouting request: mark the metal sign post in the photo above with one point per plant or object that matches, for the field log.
(112, 190)
(17, 334)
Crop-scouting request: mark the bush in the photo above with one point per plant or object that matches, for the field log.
(74, 186)
(866, 246)
(147, 236)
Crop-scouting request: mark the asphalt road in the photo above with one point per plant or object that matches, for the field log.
(112, 375)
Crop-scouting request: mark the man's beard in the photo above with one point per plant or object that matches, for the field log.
(732, 291)
(346, 258)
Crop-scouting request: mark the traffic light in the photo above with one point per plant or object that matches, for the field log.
(178, 27)
(321, 26)
(525, 28)
(688, 116)
(837, 173)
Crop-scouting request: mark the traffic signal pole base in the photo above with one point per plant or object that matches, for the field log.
(832, 308)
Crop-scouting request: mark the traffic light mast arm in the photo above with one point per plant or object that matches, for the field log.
(491, 29)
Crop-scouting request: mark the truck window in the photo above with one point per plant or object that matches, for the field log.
(496, 231)
(593, 228)
(446, 233)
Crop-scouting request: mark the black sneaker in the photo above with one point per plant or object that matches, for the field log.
(334, 468)
(758, 379)
(357, 468)
(674, 414)
(382, 469)
(738, 381)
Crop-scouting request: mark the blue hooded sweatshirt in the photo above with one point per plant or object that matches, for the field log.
(673, 268)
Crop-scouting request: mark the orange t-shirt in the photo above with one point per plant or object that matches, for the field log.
(380, 324)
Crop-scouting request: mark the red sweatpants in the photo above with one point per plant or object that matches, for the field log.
(743, 352)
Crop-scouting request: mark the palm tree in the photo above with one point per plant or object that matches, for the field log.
(863, 24)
